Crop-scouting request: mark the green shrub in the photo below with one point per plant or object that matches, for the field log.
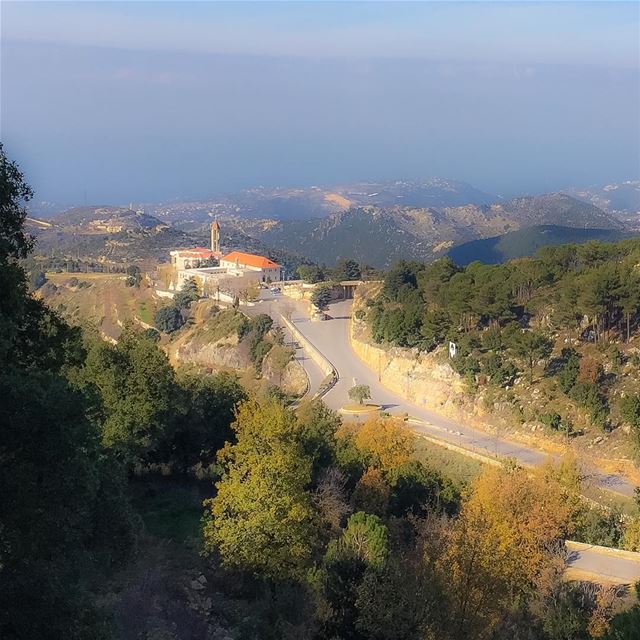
(168, 319)
(630, 410)
(588, 396)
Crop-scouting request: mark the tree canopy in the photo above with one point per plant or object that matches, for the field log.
(261, 517)
(63, 511)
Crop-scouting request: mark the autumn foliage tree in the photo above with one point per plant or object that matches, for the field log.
(261, 518)
(387, 443)
(504, 540)
(372, 493)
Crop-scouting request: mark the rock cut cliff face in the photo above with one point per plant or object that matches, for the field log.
(422, 378)
(225, 353)
(425, 379)
(214, 343)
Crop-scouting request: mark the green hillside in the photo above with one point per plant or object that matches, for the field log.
(381, 235)
(525, 242)
(556, 337)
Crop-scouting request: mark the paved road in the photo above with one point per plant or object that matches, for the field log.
(331, 338)
(603, 563)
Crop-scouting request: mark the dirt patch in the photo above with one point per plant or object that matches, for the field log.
(99, 300)
(336, 198)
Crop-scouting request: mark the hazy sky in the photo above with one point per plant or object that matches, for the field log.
(154, 100)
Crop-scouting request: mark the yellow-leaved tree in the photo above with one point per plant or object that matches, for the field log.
(261, 518)
(386, 442)
(504, 542)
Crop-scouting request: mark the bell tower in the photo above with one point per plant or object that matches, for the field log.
(215, 236)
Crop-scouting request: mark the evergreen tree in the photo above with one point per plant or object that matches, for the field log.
(63, 514)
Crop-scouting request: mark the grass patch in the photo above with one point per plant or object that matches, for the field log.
(144, 312)
(169, 510)
(457, 467)
(222, 324)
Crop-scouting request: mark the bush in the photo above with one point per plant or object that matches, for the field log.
(499, 373)
(151, 334)
(590, 371)
(169, 319)
(133, 276)
(570, 368)
(630, 410)
(596, 526)
(258, 351)
(554, 421)
(588, 396)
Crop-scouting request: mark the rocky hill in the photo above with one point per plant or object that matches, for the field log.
(556, 208)
(105, 219)
(380, 235)
(105, 234)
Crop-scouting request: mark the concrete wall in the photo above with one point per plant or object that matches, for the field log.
(325, 366)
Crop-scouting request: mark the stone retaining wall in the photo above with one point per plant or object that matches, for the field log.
(419, 377)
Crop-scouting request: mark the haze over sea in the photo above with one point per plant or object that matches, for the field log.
(112, 102)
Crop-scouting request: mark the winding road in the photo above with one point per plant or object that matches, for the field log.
(331, 339)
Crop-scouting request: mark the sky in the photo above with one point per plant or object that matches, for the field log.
(111, 102)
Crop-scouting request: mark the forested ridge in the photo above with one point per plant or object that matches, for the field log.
(568, 318)
(309, 528)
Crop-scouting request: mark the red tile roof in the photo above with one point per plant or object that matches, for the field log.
(250, 260)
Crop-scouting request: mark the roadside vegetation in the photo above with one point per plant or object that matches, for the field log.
(564, 325)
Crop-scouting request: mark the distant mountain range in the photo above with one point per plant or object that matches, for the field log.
(622, 198)
(374, 222)
(379, 236)
(303, 203)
